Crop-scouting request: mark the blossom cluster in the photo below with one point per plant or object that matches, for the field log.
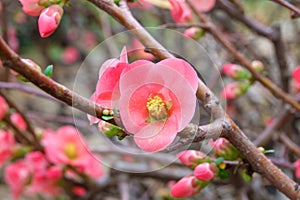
(243, 79)
(50, 13)
(151, 106)
(30, 172)
(205, 168)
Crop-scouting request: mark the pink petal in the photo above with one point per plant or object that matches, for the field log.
(203, 5)
(184, 69)
(164, 135)
(296, 75)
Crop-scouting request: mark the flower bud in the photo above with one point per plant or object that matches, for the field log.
(192, 158)
(194, 33)
(31, 7)
(18, 120)
(257, 65)
(205, 171)
(236, 72)
(187, 186)
(108, 129)
(49, 20)
(223, 148)
(235, 90)
(3, 108)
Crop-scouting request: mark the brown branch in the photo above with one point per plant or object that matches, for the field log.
(273, 34)
(259, 162)
(245, 62)
(289, 144)
(289, 6)
(184, 25)
(13, 61)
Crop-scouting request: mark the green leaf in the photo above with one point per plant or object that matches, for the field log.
(107, 117)
(246, 176)
(269, 151)
(48, 71)
(219, 160)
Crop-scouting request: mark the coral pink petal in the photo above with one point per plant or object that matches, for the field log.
(163, 137)
(296, 75)
(156, 74)
(123, 56)
(183, 68)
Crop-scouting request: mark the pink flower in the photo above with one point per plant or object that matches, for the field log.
(65, 146)
(79, 191)
(70, 55)
(236, 71)
(3, 108)
(92, 167)
(13, 40)
(107, 87)
(7, 142)
(49, 20)
(18, 120)
(223, 148)
(152, 107)
(17, 175)
(205, 171)
(187, 186)
(31, 7)
(180, 11)
(203, 5)
(297, 166)
(192, 158)
(234, 90)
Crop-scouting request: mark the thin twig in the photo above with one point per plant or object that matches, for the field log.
(289, 6)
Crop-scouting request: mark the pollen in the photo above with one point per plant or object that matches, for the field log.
(157, 108)
(70, 151)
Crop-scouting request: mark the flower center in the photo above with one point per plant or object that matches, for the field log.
(70, 151)
(158, 109)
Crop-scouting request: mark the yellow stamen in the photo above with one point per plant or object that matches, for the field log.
(158, 110)
(70, 151)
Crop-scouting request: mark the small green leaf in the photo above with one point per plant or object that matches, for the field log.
(246, 176)
(48, 71)
(117, 2)
(219, 160)
(113, 131)
(106, 118)
(269, 151)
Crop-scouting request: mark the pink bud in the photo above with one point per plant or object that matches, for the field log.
(223, 148)
(49, 20)
(297, 166)
(193, 32)
(236, 71)
(3, 108)
(296, 75)
(31, 7)
(79, 191)
(234, 90)
(205, 171)
(257, 65)
(18, 120)
(187, 186)
(192, 158)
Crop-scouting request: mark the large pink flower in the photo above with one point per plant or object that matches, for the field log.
(49, 20)
(157, 101)
(7, 142)
(31, 7)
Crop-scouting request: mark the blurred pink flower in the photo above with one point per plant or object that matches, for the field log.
(205, 171)
(67, 147)
(17, 175)
(13, 40)
(3, 108)
(180, 11)
(152, 107)
(187, 186)
(7, 142)
(296, 75)
(31, 7)
(203, 5)
(192, 158)
(70, 55)
(79, 191)
(18, 120)
(49, 20)
(297, 166)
